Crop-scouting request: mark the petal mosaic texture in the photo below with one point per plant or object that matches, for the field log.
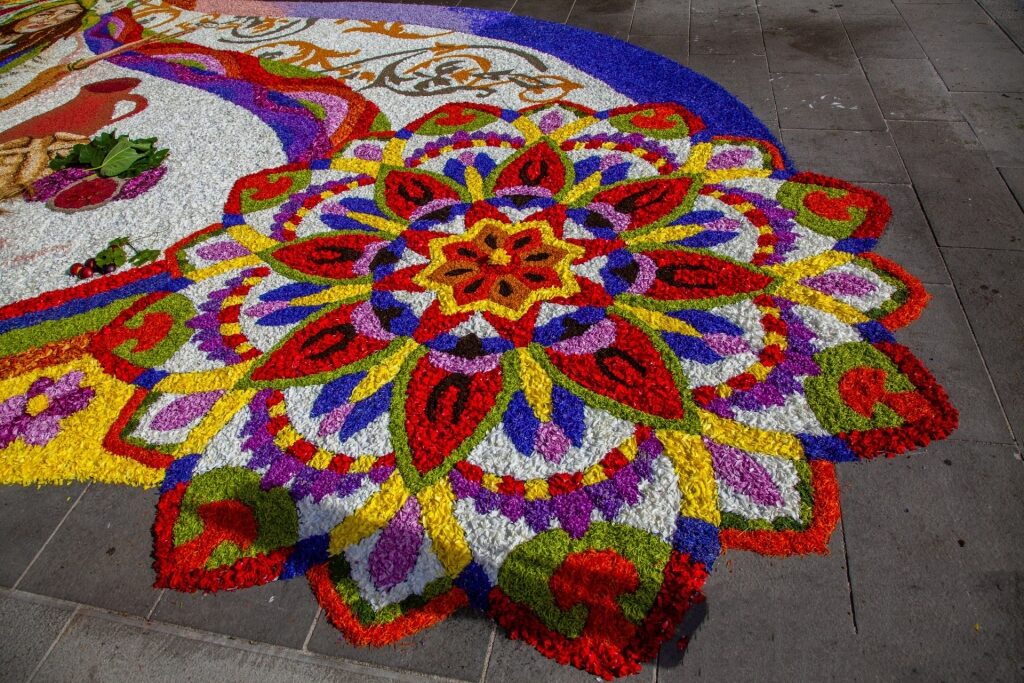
(545, 356)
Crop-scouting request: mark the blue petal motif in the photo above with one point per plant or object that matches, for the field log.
(287, 316)
(709, 238)
(521, 424)
(292, 291)
(456, 170)
(335, 393)
(365, 412)
(692, 348)
(708, 323)
(568, 414)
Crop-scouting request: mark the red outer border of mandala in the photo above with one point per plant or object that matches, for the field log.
(918, 297)
(247, 572)
(879, 214)
(813, 539)
(679, 592)
(344, 619)
(892, 441)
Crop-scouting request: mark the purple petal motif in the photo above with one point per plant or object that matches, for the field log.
(398, 547)
(743, 474)
(183, 411)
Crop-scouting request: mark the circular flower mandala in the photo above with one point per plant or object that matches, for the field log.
(496, 354)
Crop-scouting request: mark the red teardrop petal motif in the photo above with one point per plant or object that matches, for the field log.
(629, 371)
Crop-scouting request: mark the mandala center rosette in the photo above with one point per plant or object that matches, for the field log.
(499, 267)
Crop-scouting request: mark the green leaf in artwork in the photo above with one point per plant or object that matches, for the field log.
(145, 256)
(119, 159)
(114, 256)
(112, 155)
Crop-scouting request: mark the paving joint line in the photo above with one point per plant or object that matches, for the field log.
(312, 627)
(970, 326)
(571, 8)
(53, 645)
(159, 597)
(487, 654)
(849, 576)
(49, 538)
(261, 648)
(1020, 201)
(768, 66)
(994, 20)
(223, 640)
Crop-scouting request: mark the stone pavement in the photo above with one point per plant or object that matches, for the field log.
(922, 101)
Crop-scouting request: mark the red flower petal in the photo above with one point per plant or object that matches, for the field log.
(407, 191)
(324, 345)
(442, 410)
(329, 257)
(630, 371)
(646, 201)
(538, 166)
(685, 275)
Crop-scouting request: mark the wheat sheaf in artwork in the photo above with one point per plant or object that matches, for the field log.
(541, 345)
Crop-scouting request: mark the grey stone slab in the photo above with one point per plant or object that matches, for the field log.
(942, 339)
(101, 554)
(549, 10)
(673, 47)
(27, 518)
(976, 210)
(1014, 178)
(936, 563)
(857, 156)
(991, 287)
(769, 619)
(854, 7)
(725, 27)
(968, 49)
(806, 42)
(827, 101)
(1009, 14)
(935, 148)
(880, 35)
(746, 77)
(279, 613)
(910, 89)
(101, 649)
(908, 239)
(611, 17)
(496, 5)
(998, 121)
(455, 648)
(27, 629)
(513, 661)
(661, 17)
(964, 197)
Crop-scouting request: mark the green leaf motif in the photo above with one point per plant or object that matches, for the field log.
(145, 256)
(119, 159)
(112, 156)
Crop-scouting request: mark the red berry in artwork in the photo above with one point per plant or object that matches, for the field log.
(75, 268)
(85, 193)
(91, 263)
(109, 268)
(85, 272)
